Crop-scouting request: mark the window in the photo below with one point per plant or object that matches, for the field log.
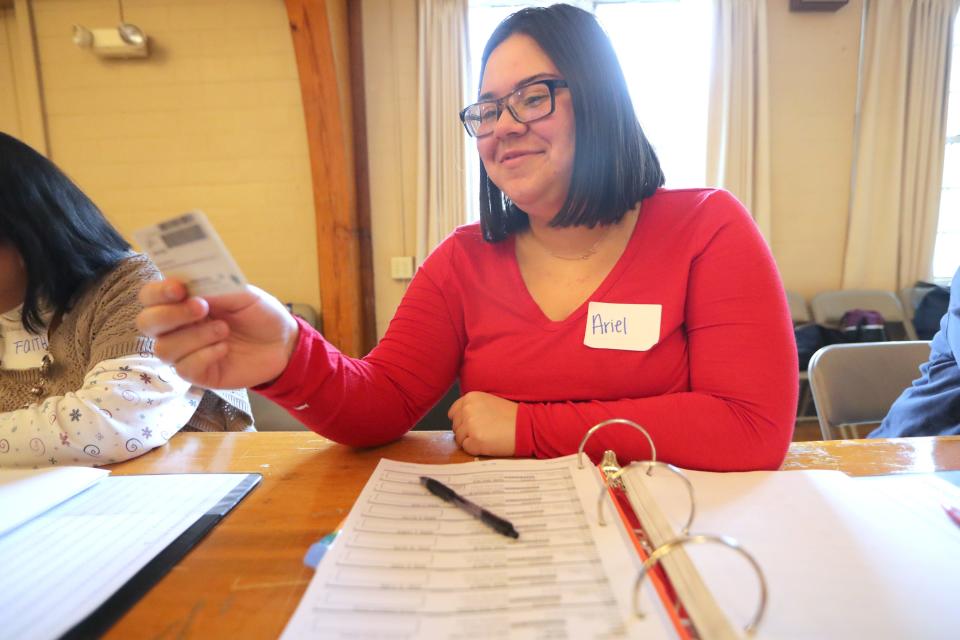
(946, 253)
(664, 49)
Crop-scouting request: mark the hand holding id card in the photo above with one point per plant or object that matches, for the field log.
(188, 248)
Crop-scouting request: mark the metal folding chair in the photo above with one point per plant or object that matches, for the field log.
(855, 385)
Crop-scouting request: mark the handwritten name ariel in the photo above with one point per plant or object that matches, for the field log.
(602, 327)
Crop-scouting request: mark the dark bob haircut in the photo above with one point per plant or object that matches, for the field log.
(614, 165)
(63, 239)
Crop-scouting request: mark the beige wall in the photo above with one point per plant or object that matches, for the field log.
(211, 120)
(9, 113)
(22, 112)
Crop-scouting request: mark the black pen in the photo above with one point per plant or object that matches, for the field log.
(497, 523)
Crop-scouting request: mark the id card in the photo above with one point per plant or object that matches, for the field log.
(188, 248)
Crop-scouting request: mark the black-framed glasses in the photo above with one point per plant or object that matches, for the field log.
(527, 103)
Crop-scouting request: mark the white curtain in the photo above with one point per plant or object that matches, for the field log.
(738, 134)
(442, 51)
(898, 154)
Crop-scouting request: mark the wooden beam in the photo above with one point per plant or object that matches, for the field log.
(334, 196)
(361, 170)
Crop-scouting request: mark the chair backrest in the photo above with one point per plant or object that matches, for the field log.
(799, 311)
(269, 416)
(436, 419)
(910, 298)
(856, 384)
(828, 307)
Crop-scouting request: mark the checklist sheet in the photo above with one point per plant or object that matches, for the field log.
(409, 565)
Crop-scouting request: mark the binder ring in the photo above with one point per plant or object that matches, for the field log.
(650, 464)
(597, 427)
(726, 541)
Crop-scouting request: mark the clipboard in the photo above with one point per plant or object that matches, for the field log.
(158, 519)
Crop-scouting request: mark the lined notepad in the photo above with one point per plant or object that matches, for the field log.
(60, 566)
(26, 493)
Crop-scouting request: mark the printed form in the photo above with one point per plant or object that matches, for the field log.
(409, 565)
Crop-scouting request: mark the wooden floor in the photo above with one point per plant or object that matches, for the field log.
(807, 429)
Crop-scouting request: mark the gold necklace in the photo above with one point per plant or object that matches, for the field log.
(586, 255)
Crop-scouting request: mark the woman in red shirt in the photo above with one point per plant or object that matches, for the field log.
(586, 292)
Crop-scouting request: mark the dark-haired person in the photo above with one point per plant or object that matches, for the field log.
(586, 292)
(79, 385)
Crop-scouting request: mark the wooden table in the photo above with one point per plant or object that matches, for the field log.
(246, 578)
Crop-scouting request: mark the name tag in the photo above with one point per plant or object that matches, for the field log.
(627, 327)
(20, 349)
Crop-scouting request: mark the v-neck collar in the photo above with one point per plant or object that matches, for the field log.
(533, 311)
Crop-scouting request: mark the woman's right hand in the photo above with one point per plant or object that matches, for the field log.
(223, 342)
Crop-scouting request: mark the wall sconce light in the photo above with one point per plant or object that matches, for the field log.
(816, 5)
(132, 34)
(124, 41)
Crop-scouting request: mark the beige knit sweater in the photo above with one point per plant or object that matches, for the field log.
(99, 327)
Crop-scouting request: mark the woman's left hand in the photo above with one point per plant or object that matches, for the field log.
(484, 424)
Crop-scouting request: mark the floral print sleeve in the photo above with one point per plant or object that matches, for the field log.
(125, 407)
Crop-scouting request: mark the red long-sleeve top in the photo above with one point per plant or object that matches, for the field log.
(717, 391)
